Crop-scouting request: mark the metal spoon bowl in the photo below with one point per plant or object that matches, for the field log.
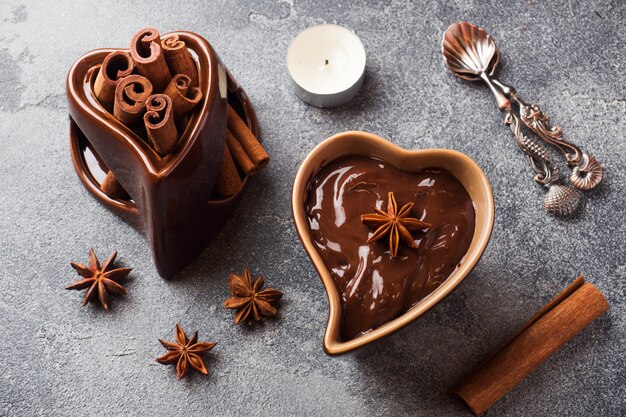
(469, 50)
(471, 54)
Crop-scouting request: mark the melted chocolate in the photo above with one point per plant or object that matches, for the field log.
(375, 287)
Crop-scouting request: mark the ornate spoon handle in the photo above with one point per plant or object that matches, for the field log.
(560, 199)
(538, 157)
(586, 170)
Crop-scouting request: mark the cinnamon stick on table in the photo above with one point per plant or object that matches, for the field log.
(248, 141)
(115, 66)
(179, 58)
(159, 122)
(184, 96)
(146, 51)
(549, 329)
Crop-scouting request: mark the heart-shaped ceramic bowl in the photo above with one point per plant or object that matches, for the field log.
(367, 144)
(171, 198)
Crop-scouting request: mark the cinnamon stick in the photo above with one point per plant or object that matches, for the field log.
(131, 94)
(115, 66)
(159, 123)
(228, 180)
(146, 51)
(184, 96)
(111, 186)
(179, 58)
(129, 104)
(553, 326)
(239, 154)
(248, 141)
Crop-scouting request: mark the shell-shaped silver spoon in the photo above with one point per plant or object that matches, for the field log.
(471, 54)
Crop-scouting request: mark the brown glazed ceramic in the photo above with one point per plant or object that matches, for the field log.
(367, 144)
(171, 198)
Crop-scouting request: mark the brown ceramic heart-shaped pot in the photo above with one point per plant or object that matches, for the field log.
(171, 198)
(459, 165)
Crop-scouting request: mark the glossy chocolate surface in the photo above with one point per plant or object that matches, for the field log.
(376, 288)
(171, 198)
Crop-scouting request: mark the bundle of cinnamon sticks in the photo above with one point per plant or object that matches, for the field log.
(152, 89)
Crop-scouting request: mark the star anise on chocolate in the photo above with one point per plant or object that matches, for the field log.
(249, 300)
(185, 353)
(395, 224)
(100, 280)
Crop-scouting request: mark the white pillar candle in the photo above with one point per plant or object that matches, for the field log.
(326, 64)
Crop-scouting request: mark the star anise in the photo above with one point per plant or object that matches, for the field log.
(99, 279)
(185, 352)
(397, 224)
(249, 300)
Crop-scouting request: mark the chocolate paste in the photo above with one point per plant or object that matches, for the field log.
(376, 288)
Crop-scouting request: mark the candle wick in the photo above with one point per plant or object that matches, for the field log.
(325, 62)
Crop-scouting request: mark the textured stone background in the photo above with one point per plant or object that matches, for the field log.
(60, 359)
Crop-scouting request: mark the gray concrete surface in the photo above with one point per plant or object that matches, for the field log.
(60, 359)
